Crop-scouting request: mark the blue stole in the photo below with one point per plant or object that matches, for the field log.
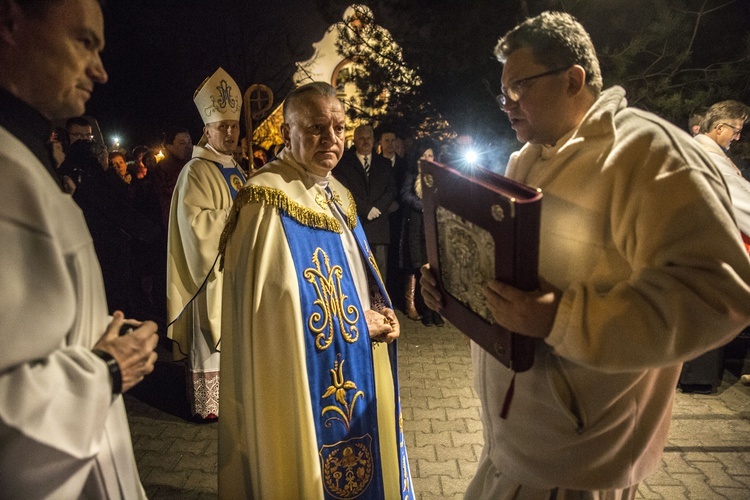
(234, 177)
(340, 365)
(407, 489)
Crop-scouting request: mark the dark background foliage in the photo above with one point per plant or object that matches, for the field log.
(671, 56)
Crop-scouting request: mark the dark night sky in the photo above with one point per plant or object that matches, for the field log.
(157, 53)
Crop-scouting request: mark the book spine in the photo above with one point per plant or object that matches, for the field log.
(526, 226)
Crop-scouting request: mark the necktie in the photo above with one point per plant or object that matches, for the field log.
(367, 166)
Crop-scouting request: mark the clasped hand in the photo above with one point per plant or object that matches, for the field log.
(528, 313)
(133, 351)
(383, 326)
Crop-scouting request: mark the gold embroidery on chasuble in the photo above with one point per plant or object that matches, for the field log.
(325, 202)
(371, 259)
(236, 182)
(331, 300)
(347, 466)
(351, 212)
(342, 409)
(322, 200)
(253, 193)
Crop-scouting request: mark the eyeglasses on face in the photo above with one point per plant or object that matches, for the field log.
(514, 91)
(81, 135)
(734, 129)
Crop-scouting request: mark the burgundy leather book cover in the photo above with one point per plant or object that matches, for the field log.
(481, 225)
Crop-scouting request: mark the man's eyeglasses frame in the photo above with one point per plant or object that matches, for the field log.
(515, 89)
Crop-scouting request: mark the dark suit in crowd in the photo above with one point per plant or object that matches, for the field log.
(376, 189)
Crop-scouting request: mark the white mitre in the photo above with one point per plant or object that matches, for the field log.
(218, 98)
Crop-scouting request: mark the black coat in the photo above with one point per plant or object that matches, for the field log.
(114, 226)
(414, 251)
(376, 190)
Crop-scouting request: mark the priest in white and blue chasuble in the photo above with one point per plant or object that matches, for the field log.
(309, 396)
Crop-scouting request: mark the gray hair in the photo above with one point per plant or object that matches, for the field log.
(292, 100)
(556, 40)
(723, 111)
(364, 128)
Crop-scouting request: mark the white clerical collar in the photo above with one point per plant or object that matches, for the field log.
(224, 159)
(322, 181)
(287, 156)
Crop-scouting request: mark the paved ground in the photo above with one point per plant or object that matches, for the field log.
(707, 457)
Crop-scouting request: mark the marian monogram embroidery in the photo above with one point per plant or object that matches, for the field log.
(224, 98)
(331, 300)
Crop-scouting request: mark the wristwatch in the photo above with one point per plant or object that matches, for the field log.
(114, 369)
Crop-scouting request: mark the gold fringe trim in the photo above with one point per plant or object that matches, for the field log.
(277, 198)
(351, 212)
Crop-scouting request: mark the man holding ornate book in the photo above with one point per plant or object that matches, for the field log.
(641, 267)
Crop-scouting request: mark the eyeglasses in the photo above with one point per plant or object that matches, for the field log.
(81, 135)
(515, 89)
(734, 129)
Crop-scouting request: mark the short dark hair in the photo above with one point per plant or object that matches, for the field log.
(115, 154)
(38, 8)
(80, 121)
(384, 129)
(556, 40)
(172, 132)
(722, 111)
(292, 100)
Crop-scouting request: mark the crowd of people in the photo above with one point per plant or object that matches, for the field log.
(127, 197)
(284, 281)
(119, 195)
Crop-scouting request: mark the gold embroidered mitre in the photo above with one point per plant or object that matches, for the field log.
(218, 98)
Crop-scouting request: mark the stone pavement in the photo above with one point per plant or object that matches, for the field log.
(707, 456)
